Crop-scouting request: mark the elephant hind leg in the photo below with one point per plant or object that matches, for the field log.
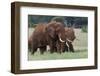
(42, 49)
(34, 50)
(52, 49)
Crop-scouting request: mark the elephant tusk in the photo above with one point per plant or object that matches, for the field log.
(69, 40)
(61, 40)
(67, 44)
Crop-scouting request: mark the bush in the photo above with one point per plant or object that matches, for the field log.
(84, 29)
(58, 19)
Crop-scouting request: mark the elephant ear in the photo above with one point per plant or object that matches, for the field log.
(50, 31)
(57, 29)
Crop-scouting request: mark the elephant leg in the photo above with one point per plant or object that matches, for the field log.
(62, 47)
(71, 47)
(42, 49)
(34, 50)
(66, 49)
(52, 47)
(58, 48)
(55, 49)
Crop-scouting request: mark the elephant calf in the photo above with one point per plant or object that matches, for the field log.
(48, 34)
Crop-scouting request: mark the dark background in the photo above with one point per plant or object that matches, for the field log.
(78, 22)
(69, 21)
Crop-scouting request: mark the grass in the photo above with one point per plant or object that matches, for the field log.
(80, 45)
(67, 55)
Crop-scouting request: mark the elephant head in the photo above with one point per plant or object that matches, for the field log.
(56, 30)
(70, 34)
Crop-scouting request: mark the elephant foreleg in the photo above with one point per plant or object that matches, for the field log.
(71, 47)
(42, 49)
(34, 50)
(58, 47)
(52, 47)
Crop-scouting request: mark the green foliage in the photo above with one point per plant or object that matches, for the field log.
(58, 19)
(84, 29)
(77, 22)
(32, 25)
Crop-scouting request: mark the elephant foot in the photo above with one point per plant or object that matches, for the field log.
(50, 51)
(34, 50)
(72, 51)
(60, 53)
(42, 49)
(32, 53)
(42, 52)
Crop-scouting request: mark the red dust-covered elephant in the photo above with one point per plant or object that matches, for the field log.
(48, 34)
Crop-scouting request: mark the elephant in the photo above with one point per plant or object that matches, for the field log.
(48, 34)
(55, 32)
(39, 38)
(70, 37)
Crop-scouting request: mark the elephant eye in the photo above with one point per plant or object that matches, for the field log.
(50, 30)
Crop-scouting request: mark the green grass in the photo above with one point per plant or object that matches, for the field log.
(67, 55)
